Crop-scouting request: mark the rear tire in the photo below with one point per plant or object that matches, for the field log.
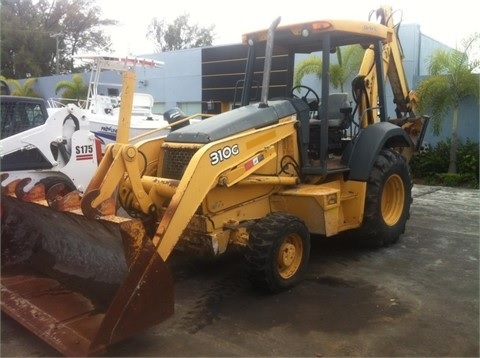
(277, 252)
(388, 200)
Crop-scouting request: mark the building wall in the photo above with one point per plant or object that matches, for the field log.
(175, 84)
(178, 83)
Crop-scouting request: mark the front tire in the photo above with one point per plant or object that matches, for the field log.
(277, 252)
(388, 200)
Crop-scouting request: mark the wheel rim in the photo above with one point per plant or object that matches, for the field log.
(290, 256)
(393, 200)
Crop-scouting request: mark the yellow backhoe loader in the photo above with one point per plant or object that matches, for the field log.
(262, 177)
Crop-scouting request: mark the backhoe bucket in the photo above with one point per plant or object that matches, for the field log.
(80, 284)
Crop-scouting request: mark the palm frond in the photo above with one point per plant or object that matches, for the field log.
(310, 65)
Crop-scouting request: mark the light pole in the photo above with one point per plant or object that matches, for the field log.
(57, 55)
(12, 53)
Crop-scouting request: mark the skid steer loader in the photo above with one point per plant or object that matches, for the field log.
(49, 150)
(262, 177)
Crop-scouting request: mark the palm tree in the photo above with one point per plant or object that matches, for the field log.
(4, 88)
(23, 89)
(76, 89)
(452, 79)
(349, 59)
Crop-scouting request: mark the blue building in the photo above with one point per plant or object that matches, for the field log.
(204, 80)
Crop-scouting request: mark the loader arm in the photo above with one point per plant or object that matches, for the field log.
(119, 159)
(205, 172)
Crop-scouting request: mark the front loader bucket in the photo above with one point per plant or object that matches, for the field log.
(80, 284)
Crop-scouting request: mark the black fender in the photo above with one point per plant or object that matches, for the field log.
(362, 151)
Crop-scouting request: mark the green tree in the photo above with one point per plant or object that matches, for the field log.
(23, 41)
(76, 89)
(82, 28)
(23, 89)
(452, 79)
(31, 31)
(349, 59)
(179, 34)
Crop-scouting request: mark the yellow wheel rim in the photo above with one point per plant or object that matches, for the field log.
(393, 200)
(290, 256)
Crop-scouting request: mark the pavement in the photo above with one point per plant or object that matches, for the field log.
(417, 298)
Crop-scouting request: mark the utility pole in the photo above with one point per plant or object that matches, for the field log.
(12, 54)
(57, 55)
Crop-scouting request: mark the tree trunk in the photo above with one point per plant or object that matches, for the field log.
(452, 166)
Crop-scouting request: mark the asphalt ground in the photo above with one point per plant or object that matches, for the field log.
(417, 298)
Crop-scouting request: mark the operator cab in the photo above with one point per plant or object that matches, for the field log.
(19, 114)
(329, 126)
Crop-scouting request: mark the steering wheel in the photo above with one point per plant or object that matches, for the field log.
(313, 104)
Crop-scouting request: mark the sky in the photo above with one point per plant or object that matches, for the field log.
(449, 23)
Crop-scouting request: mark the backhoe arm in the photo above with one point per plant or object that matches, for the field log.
(366, 85)
(394, 70)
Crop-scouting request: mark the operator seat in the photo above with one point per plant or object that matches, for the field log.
(339, 118)
(339, 111)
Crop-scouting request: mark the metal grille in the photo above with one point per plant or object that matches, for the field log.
(176, 161)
